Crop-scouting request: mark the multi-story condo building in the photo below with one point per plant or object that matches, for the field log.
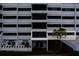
(26, 26)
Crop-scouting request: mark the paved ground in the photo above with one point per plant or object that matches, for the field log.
(11, 53)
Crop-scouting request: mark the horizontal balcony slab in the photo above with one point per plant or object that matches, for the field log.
(10, 29)
(24, 37)
(68, 37)
(45, 11)
(39, 39)
(9, 37)
(54, 5)
(16, 49)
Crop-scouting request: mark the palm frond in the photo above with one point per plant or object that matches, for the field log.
(60, 32)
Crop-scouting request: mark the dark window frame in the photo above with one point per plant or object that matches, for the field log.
(0, 16)
(67, 33)
(68, 17)
(77, 25)
(9, 34)
(77, 33)
(54, 17)
(39, 34)
(9, 17)
(50, 34)
(24, 25)
(24, 9)
(77, 17)
(68, 25)
(39, 16)
(10, 9)
(70, 33)
(68, 9)
(77, 9)
(9, 25)
(54, 8)
(1, 24)
(39, 6)
(23, 33)
(39, 25)
(24, 17)
(53, 25)
(0, 7)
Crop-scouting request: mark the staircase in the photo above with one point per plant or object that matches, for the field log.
(74, 44)
(65, 48)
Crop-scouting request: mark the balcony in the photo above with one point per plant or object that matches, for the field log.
(24, 37)
(26, 29)
(8, 29)
(67, 37)
(10, 21)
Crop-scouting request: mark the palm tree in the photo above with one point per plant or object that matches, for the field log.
(59, 33)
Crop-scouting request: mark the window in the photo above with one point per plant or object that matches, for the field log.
(9, 17)
(77, 17)
(70, 33)
(24, 9)
(0, 24)
(39, 6)
(24, 25)
(0, 7)
(54, 17)
(39, 25)
(68, 9)
(9, 34)
(68, 25)
(24, 17)
(39, 34)
(20, 33)
(77, 25)
(77, 33)
(9, 25)
(68, 17)
(0, 16)
(9, 9)
(11, 42)
(0, 32)
(54, 8)
(54, 25)
(50, 34)
(39, 16)
(25, 43)
(39, 44)
(77, 9)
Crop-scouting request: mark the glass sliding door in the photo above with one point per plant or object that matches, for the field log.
(39, 45)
